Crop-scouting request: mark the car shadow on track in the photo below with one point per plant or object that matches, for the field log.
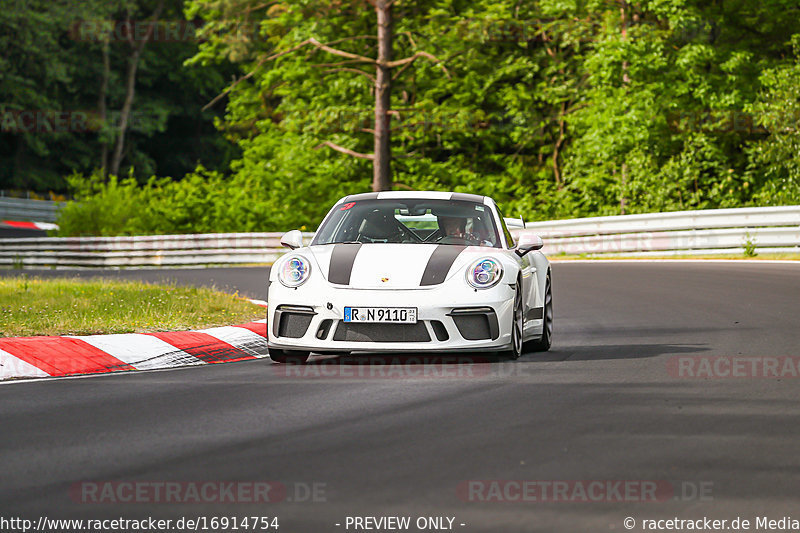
(411, 358)
(610, 351)
(465, 365)
(557, 354)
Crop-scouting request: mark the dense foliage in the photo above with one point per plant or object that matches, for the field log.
(557, 108)
(51, 87)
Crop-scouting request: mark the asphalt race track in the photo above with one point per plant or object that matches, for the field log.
(617, 399)
(18, 233)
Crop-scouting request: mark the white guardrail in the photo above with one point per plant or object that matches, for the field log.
(147, 251)
(713, 231)
(718, 231)
(25, 209)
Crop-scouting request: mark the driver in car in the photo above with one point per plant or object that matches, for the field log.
(453, 230)
(453, 227)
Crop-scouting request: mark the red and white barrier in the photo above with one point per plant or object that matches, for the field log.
(16, 224)
(36, 357)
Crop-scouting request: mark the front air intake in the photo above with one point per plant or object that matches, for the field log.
(354, 332)
(476, 323)
(292, 321)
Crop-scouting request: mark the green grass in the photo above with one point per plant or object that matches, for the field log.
(71, 306)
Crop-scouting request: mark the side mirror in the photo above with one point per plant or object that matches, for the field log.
(292, 239)
(528, 242)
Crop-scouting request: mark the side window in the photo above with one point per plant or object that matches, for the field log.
(509, 237)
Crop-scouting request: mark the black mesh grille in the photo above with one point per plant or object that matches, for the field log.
(324, 329)
(294, 325)
(473, 327)
(439, 330)
(346, 331)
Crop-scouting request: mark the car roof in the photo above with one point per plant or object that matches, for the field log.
(425, 195)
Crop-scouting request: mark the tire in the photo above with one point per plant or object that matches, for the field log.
(289, 357)
(517, 326)
(543, 344)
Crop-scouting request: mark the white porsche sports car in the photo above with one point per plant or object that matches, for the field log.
(412, 272)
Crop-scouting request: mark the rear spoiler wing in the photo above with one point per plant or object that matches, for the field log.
(515, 223)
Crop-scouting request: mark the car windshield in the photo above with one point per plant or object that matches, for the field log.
(417, 221)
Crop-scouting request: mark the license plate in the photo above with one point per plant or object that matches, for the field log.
(396, 315)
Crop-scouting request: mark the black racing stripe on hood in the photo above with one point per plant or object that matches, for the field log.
(341, 266)
(439, 263)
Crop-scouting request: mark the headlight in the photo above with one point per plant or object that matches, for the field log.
(295, 271)
(484, 273)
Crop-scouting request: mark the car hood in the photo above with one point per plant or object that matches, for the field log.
(391, 266)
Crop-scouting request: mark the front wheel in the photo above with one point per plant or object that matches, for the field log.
(543, 344)
(290, 357)
(517, 325)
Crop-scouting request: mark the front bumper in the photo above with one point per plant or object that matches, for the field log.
(310, 319)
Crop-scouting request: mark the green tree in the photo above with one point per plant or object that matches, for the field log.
(63, 93)
(663, 127)
(775, 160)
(557, 108)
